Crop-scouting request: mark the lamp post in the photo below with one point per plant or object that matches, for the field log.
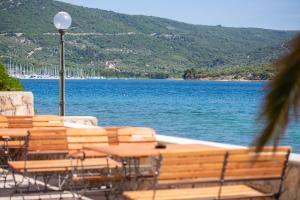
(62, 21)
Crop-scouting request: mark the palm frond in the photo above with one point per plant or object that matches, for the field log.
(283, 97)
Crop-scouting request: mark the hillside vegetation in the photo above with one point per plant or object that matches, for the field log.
(135, 46)
(254, 72)
(8, 83)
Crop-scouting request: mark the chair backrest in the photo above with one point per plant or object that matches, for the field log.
(47, 140)
(19, 121)
(192, 166)
(47, 121)
(136, 135)
(247, 164)
(3, 122)
(216, 165)
(77, 137)
(112, 133)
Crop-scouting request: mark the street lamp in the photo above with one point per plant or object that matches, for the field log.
(62, 21)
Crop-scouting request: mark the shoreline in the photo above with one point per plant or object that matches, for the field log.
(124, 78)
(41, 77)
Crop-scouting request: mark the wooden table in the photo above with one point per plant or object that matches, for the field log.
(137, 150)
(132, 154)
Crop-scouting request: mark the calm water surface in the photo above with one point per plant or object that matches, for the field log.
(206, 110)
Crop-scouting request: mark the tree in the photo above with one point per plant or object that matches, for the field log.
(189, 74)
(8, 83)
(282, 101)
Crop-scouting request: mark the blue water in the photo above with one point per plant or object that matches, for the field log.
(206, 110)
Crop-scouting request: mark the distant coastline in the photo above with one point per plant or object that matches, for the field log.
(229, 79)
(208, 78)
(135, 78)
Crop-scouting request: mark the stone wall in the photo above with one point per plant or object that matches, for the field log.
(82, 120)
(16, 103)
(291, 188)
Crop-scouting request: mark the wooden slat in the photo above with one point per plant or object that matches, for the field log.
(233, 191)
(3, 122)
(193, 160)
(43, 118)
(48, 124)
(44, 147)
(136, 134)
(79, 146)
(130, 139)
(249, 158)
(20, 126)
(189, 175)
(196, 152)
(19, 121)
(253, 171)
(86, 131)
(86, 139)
(202, 166)
(88, 154)
(12, 144)
(190, 167)
(62, 165)
(47, 121)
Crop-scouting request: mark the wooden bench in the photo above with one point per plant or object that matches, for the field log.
(77, 137)
(219, 167)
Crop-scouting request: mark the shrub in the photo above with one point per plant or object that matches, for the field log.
(8, 83)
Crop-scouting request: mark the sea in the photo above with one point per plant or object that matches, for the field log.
(219, 111)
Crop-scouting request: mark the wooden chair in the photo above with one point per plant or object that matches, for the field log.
(77, 137)
(46, 144)
(136, 135)
(219, 167)
(97, 178)
(62, 171)
(10, 150)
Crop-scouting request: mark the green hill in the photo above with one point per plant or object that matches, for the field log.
(129, 45)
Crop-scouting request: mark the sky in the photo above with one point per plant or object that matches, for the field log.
(269, 14)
